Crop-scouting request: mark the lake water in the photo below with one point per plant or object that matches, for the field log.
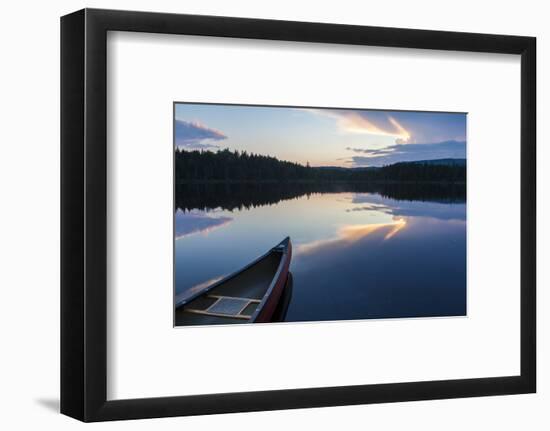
(358, 252)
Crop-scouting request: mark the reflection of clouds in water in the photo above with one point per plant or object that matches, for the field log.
(403, 208)
(400, 224)
(433, 210)
(188, 223)
(353, 233)
(371, 207)
(416, 269)
(356, 232)
(196, 288)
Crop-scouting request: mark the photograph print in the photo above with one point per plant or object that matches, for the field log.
(308, 214)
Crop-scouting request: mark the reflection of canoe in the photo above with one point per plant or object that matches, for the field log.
(248, 295)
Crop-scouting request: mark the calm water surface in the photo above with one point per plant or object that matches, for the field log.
(356, 255)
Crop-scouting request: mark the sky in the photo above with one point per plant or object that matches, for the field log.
(322, 137)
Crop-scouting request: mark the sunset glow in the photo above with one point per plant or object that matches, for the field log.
(322, 137)
(353, 233)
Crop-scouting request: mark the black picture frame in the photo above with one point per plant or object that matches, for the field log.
(84, 214)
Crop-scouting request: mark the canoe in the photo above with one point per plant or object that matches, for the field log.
(284, 301)
(250, 295)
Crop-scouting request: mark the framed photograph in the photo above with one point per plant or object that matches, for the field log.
(262, 215)
(374, 182)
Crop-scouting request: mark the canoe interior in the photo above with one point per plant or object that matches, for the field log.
(239, 296)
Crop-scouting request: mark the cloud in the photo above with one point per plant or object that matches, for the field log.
(408, 153)
(366, 122)
(194, 135)
(405, 127)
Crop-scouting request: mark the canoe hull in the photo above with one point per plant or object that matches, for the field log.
(266, 313)
(250, 295)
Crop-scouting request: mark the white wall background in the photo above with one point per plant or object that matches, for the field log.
(29, 228)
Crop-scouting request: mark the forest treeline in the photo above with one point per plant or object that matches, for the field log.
(235, 166)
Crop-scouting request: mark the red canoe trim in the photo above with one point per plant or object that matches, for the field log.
(266, 313)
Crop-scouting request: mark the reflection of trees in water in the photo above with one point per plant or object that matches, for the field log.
(234, 195)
